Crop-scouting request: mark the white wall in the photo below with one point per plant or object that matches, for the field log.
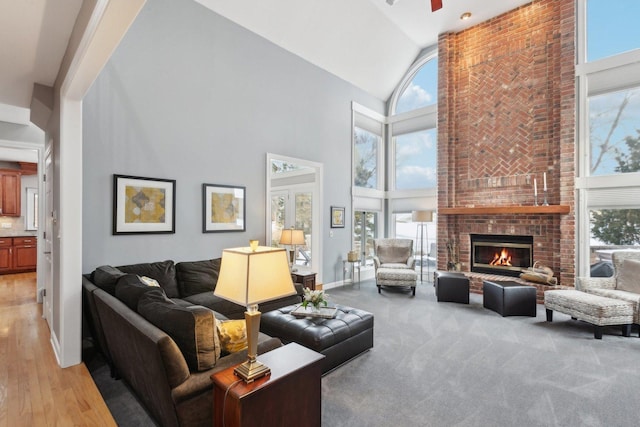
(191, 96)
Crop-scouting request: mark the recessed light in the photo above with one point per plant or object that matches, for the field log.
(465, 15)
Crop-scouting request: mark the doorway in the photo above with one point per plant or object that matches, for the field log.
(294, 189)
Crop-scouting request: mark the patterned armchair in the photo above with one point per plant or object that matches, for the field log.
(394, 263)
(609, 286)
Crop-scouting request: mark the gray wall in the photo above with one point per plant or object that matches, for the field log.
(191, 96)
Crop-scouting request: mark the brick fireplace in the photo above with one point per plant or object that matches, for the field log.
(507, 116)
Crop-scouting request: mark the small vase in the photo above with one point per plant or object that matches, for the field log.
(315, 308)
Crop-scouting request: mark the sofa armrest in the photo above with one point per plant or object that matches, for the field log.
(586, 283)
(376, 262)
(201, 381)
(411, 262)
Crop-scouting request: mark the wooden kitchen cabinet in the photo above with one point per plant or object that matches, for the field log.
(25, 254)
(18, 254)
(9, 193)
(5, 254)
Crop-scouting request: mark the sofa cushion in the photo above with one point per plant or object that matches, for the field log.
(192, 328)
(105, 277)
(629, 276)
(164, 272)
(232, 335)
(217, 304)
(196, 277)
(129, 290)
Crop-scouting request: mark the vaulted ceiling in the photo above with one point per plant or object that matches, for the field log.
(369, 43)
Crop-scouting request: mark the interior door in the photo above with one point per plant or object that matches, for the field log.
(292, 207)
(47, 274)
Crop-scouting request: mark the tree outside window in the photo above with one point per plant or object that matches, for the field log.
(366, 158)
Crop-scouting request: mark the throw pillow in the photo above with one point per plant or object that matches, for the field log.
(629, 276)
(196, 277)
(232, 335)
(129, 290)
(105, 277)
(191, 328)
(164, 272)
(149, 281)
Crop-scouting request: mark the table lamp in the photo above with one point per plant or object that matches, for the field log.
(292, 237)
(249, 277)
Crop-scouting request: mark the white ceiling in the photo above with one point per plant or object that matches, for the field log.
(365, 42)
(33, 38)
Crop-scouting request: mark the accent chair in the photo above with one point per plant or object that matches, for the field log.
(395, 263)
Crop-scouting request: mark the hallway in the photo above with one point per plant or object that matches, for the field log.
(34, 390)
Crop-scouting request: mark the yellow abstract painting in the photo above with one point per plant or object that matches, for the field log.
(224, 208)
(144, 205)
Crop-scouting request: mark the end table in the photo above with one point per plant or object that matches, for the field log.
(291, 393)
(306, 278)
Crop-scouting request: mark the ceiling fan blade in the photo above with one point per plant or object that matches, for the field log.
(435, 5)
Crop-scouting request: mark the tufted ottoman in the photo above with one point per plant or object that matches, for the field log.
(594, 309)
(340, 339)
(406, 277)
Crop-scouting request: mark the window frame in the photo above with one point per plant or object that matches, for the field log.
(606, 75)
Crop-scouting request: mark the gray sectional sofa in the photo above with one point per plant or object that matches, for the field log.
(160, 339)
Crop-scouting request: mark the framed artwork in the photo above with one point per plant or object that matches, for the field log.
(143, 205)
(223, 208)
(337, 217)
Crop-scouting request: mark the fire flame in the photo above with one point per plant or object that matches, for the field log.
(502, 259)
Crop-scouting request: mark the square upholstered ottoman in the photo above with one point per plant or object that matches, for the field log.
(509, 298)
(340, 339)
(451, 286)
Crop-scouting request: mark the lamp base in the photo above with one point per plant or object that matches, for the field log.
(250, 371)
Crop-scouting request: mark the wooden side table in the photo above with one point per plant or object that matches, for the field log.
(306, 278)
(290, 396)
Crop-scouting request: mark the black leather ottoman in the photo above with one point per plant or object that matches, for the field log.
(340, 339)
(451, 286)
(509, 298)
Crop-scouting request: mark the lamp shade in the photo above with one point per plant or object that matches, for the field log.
(252, 277)
(422, 216)
(291, 236)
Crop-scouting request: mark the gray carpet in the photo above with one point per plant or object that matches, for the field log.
(447, 364)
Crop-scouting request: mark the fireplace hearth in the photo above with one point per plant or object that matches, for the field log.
(506, 255)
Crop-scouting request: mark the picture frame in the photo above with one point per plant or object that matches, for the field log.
(224, 208)
(337, 217)
(143, 205)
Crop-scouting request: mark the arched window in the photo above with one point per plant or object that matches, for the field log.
(419, 88)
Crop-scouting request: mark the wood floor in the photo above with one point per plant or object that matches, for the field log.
(34, 390)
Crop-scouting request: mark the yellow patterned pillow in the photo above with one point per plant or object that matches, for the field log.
(232, 335)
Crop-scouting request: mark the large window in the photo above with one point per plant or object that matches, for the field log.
(416, 160)
(612, 27)
(608, 181)
(365, 226)
(366, 158)
(614, 132)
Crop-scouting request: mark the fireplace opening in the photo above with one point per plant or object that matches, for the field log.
(501, 254)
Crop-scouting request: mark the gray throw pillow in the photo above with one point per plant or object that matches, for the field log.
(105, 277)
(629, 276)
(164, 272)
(196, 277)
(129, 290)
(192, 328)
